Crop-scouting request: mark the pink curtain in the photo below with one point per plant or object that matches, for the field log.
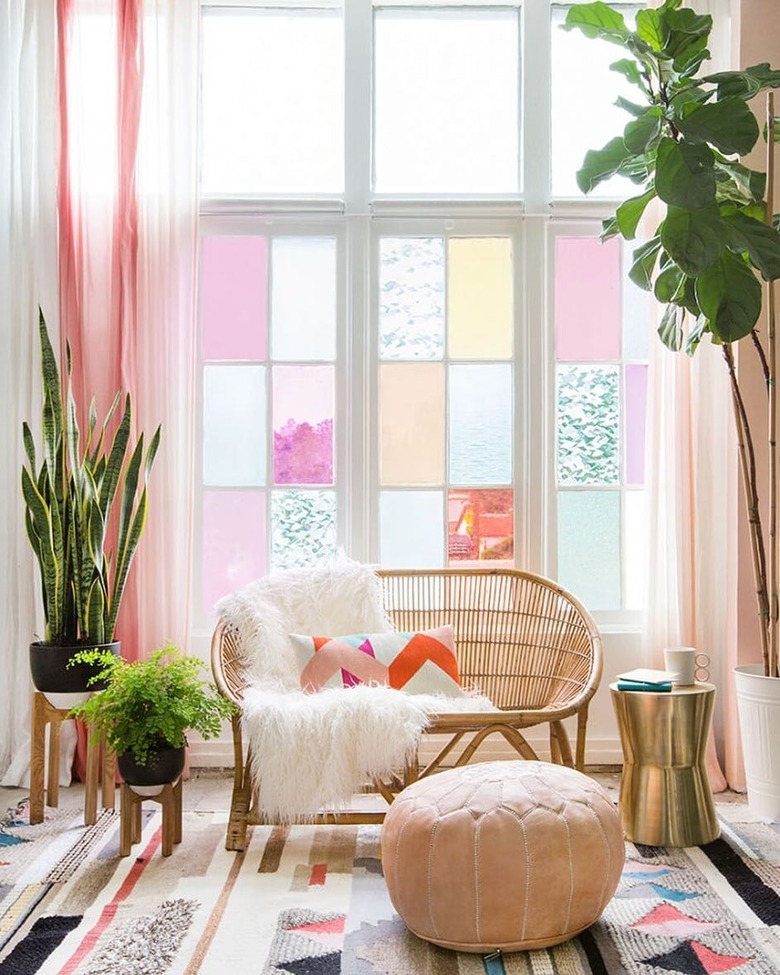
(127, 206)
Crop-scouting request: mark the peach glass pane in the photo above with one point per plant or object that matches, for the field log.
(481, 527)
(636, 414)
(587, 299)
(233, 542)
(303, 424)
(234, 297)
(411, 423)
(479, 298)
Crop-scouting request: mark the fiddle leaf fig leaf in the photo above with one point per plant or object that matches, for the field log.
(688, 33)
(750, 181)
(669, 284)
(600, 164)
(652, 27)
(685, 174)
(638, 135)
(695, 335)
(693, 237)
(729, 294)
(629, 213)
(645, 258)
(597, 20)
(729, 125)
(630, 70)
(760, 242)
(745, 84)
(670, 329)
(609, 228)
(631, 107)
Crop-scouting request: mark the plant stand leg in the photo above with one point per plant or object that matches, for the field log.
(108, 787)
(177, 812)
(90, 787)
(168, 819)
(37, 757)
(126, 820)
(53, 775)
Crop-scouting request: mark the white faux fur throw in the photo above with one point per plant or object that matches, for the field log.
(315, 750)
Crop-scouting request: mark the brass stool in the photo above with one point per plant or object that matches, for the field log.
(130, 816)
(44, 713)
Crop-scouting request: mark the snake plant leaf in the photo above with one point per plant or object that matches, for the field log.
(29, 445)
(50, 567)
(670, 329)
(124, 556)
(729, 294)
(745, 84)
(116, 458)
(760, 242)
(693, 238)
(729, 125)
(96, 612)
(629, 213)
(98, 447)
(645, 259)
(151, 453)
(685, 174)
(597, 20)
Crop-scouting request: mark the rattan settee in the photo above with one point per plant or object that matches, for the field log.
(524, 641)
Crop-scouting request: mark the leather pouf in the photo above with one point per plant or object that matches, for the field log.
(502, 855)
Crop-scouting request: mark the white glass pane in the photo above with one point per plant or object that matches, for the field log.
(635, 548)
(272, 101)
(584, 115)
(303, 298)
(446, 97)
(234, 425)
(639, 310)
(411, 526)
(480, 424)
(589, 547)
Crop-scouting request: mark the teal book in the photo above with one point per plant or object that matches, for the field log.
(636, 685)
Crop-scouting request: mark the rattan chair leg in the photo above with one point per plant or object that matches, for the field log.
(582, 724)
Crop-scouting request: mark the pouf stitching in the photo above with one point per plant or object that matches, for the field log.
(430, 880)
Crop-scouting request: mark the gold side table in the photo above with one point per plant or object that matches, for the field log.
(665, 795)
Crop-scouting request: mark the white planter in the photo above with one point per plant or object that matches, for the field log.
(758, 703)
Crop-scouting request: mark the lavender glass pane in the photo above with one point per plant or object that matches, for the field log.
(411, 298)
(588, 425)
(639, 310)
(233, 542)
(635, 419)
(303, 298)
(234, 297)
(587, 299)
(635, 548)
(589, 547)
(303, 399)
(303, 528)
(480, 527)
(234, 425)
(411, 529)
(480, 424)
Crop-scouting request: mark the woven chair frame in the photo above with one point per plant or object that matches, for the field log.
(520, 638)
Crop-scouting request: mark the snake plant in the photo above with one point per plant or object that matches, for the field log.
(70, 492)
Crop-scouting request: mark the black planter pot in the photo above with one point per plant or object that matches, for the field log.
(50, 671)
(165, 765)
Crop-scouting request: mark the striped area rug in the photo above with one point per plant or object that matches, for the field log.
(312, 901)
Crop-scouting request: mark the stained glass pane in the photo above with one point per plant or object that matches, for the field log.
(411, 423)
(634, 547)
(636, 411)
(234, 425)
(233, 542)
(446, 101)
(480, 298)
(273, 102)
(303, 424)
(411, 298)
(588, 428)
(411, 526)
(480, 424)
(480, 527)
(303, 528)
(234, 297)
(303, 298)
(638, 310)
(589, 547)
(587, 299)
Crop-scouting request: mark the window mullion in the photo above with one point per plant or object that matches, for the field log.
(358, 95)
(536, 103)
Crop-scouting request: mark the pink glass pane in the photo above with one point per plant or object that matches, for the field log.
(233, 542)
(303, 407)
(636, 413)
(234, 303)
(481, 527)
(587, 299)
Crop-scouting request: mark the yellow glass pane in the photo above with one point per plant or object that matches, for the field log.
(411, 423)
(479, 298)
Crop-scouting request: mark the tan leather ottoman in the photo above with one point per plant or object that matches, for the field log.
(502, 855)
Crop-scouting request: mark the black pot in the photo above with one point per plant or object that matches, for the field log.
(50, 671)
(165, 765)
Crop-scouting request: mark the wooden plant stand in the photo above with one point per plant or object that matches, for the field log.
(130, 816)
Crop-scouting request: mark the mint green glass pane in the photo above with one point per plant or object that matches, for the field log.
(303, 528)
(234, 425)
(588, 425)
(303, 298)
(411, 527)
(589, 547)
(480, 424)
(411, 298)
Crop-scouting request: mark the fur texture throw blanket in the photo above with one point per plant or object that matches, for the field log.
(310, 751)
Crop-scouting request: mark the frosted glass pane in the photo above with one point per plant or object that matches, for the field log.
(588, 425)
(480, 527)
(411, 423)
(583, 113)
(411, 298)
(480, 424)
(234, 297)
(303, 399)
(303, 528)
(272, 101)
(303, 298)
(639, 310)
(589, 547)
(234, 425)
(636, 412)
(446, 96)
(479, 298)
(233, 542)
(587, 298)
(411, 529)
(635, 548)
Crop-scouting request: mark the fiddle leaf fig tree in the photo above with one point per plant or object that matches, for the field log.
(715, 236)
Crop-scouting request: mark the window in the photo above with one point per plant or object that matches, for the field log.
(413, 346)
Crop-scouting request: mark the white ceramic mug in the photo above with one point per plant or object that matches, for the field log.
(687, 664)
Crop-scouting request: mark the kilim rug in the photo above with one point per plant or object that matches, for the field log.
(312, 901)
